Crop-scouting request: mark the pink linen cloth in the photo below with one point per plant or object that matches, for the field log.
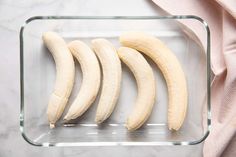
(221, 18)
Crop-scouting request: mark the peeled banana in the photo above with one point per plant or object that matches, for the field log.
(64, 77)
(111, 69)
(91, 79)
(146, 86)
(171, 69)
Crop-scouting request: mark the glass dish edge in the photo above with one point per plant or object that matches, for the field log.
(163, 143)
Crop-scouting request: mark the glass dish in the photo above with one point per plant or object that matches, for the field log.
(37, 72)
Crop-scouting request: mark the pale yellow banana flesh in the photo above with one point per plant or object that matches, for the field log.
(111, 69)
(146, 87)
(91, 79)
(171, 69)
(65, 72)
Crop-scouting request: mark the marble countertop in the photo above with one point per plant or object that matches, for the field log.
(13, 14)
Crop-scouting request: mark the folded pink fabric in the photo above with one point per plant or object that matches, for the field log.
(229, 5)
(221, 18)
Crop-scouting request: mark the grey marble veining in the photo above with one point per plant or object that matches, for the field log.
(12, 15)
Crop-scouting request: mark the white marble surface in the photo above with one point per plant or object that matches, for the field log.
(12, 15)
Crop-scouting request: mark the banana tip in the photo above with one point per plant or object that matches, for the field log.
(52, 125)
(65, 120)
(173, 128)
(98, 120)
(130, 129)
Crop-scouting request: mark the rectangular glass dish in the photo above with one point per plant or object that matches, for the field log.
(37, 72)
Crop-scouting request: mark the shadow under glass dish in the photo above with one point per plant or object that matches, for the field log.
(38, 77)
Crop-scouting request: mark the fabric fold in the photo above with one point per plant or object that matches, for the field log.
(220, 16)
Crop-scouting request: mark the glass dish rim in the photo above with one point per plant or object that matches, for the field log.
(160, 143)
